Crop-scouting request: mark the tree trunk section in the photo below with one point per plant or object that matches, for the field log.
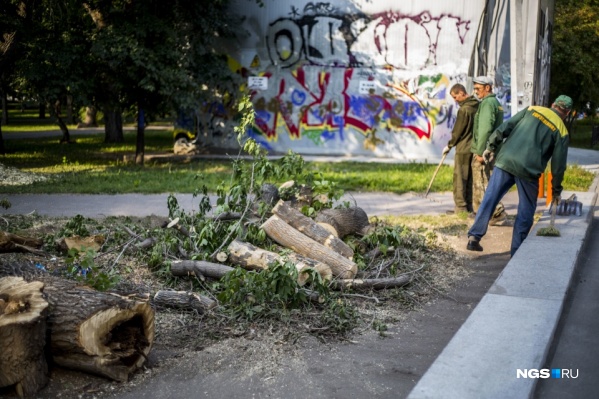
(55, 111)
(374, 283)
(289, 237)
(113, 125)
(183, 300)
(97, 332)
(23, 312)
(42, 110)
(71, 115)
(251, 257)
(199, 268)
(345, 221)
(140, 139)
(2, 148)
(305, 225)
(4, 120)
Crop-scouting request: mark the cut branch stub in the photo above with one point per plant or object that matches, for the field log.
(289, 237)
(345, 220)
(23, 312)
(304, 224)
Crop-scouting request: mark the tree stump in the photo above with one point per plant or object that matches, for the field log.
(310, 228)
(345, 221)
(97, 332)
(23, 312)
(289, 237)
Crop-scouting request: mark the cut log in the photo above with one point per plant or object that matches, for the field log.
(345, 220)
(23, 312)
(183, 300)
(15, 243)
(251, 257)
(199, 268)
(96, 332)
(374, 283)
(309, 227)
(289, 237)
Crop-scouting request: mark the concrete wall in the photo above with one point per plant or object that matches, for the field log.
(372, 78)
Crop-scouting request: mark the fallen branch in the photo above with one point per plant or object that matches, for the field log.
(373, 283)
(183, 300)
(199, 268)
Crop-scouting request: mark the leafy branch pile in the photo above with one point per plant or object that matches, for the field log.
(137, 256)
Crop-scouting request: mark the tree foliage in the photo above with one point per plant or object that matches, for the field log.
(574, 68)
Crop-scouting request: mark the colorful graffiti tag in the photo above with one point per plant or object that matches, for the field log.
(333, 74)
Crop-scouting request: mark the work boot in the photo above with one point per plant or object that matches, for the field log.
(472, 215)
(474, 244)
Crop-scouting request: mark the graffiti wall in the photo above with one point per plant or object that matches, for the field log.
(365, 77)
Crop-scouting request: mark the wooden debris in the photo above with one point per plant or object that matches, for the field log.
(183, 300)
(307, 226)
(289, 237)
(15, 243)
(199, 268)
(251, 257)
(345, 221)
(374, 283)
(23, 312)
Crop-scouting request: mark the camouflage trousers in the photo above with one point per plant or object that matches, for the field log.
(480, 180)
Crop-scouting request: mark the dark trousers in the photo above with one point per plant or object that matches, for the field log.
(499, 184)
(462, 182)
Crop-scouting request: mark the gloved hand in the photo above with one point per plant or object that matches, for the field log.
(446, 150)
(488, 156)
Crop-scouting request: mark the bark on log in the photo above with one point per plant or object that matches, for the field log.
(15, 243)
(183, 300)
(199, 268)
(309, 227)
(251, 257)
(23, 312)
(345, 220)
(289, 237)
(96, 332)
(373, 283)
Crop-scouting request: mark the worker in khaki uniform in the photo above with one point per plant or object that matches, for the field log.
(488, 118)
(461, 139)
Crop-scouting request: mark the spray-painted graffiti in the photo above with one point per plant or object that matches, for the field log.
(321, 59)
(321, 36)
(323, 104)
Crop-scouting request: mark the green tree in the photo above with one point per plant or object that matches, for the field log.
(574, 69)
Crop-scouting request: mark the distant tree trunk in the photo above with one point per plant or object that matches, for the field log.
(90, 117)
(42, 110)
(55, 111)
(2, 149)
(113, 123)
(71, 116)
(4, 108)
(140, 144)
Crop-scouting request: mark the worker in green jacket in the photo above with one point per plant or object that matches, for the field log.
(488, 118)
(461, 139)
(524, 144)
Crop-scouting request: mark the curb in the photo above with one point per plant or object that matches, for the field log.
(514, 324)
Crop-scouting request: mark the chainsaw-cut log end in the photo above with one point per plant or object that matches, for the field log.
(23, 312)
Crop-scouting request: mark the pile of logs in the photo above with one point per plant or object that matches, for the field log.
(97, 332)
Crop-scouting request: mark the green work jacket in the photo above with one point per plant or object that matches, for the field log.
(461, 134)
(488, 118)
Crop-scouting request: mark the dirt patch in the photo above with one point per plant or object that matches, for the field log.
(236, 354)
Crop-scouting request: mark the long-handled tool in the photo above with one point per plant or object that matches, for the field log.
(434, 175)
(550, 231)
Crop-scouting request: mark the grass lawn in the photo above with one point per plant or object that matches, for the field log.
(91, 166)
